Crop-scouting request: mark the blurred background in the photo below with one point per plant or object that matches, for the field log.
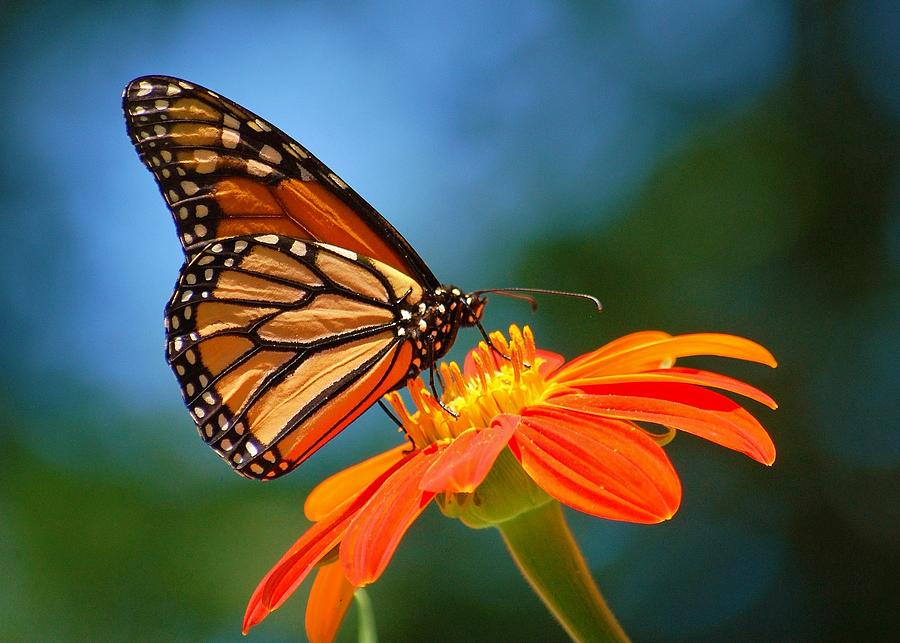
(730, 166)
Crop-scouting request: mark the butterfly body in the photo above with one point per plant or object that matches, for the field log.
(298, 305)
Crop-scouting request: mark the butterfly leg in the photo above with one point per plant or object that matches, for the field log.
(431, 385)
(390, 415)
(490, 342)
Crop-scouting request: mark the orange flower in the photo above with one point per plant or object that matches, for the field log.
(527, 430)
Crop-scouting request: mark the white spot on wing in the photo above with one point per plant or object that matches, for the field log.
(267, 238)
(341, 251)
(337, 180)
(258, 169)
(144, 88)
(270, 154)
(230, 138)
(298, 248)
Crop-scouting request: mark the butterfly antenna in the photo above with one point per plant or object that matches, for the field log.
(514, 293)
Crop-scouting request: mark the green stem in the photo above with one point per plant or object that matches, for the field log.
(548, 556)
(366, 631)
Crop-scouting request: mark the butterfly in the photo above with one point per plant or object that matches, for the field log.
(298, 305)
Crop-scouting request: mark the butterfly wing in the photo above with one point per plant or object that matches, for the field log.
(278, 344)
(226, 172)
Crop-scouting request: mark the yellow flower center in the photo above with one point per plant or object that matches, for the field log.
(477, 398)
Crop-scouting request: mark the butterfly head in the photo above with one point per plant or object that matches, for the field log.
(473, 306)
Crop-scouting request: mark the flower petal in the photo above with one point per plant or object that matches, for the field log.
(328, 602)
(602, 467)
(681, 406)
(303, 555)
(548, 361)
(618, 346)
(346, 484)
(377, 529)
(463, 465)
(677, 374)
(651, 354)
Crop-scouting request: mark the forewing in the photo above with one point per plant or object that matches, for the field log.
(226, 172)
(279, 343)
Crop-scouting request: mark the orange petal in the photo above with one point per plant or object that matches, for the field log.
(618, 346)
(652, 354)
(602, 467)
(346, 484)
(377, 529)
(681, 406)
(677, 374)
(329, 599)
(463, 465)
(302, 557)
(548, 361)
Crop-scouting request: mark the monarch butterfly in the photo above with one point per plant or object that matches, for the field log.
(298, 305)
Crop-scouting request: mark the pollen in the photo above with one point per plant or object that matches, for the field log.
(503, 379)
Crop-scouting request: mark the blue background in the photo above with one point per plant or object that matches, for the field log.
(726, 166)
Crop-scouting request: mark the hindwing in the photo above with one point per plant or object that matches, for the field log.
(279, 343)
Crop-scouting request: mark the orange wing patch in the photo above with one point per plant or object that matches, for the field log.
(325, 316)
(314, 378)
(331, 419)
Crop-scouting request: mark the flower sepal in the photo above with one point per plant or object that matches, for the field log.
(506, 493)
